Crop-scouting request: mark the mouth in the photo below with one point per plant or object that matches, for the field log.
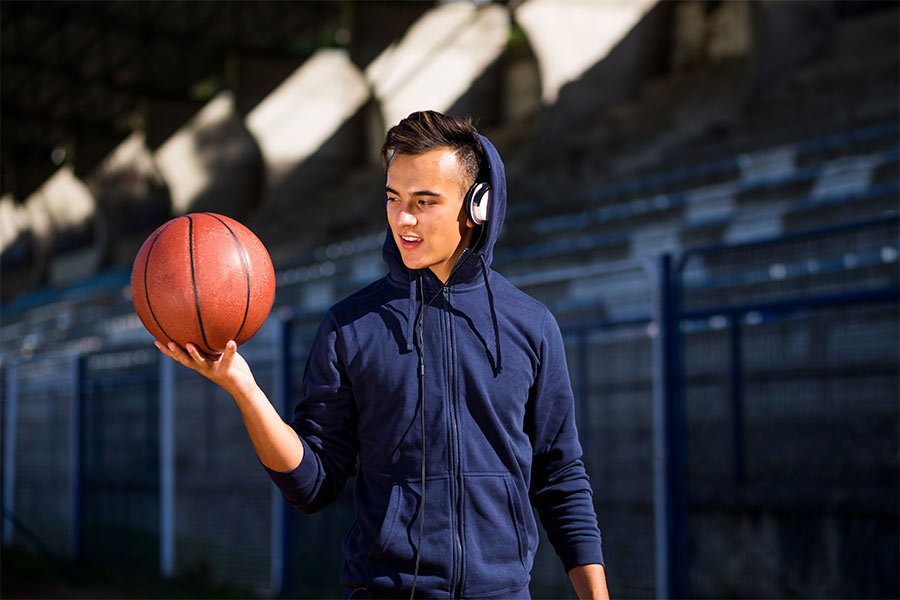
(408, 242)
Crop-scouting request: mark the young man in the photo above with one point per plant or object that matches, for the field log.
(446, 384)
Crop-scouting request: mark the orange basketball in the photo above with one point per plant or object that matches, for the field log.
(203, 278)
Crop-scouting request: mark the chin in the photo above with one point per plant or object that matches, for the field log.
(409, 264)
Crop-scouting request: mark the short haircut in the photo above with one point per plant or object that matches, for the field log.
(428, 130)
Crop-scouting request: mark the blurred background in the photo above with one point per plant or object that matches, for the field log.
(704, 193)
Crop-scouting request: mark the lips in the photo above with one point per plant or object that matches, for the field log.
(408, 242)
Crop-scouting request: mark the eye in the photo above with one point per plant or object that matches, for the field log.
(389, 199)
(426, 202)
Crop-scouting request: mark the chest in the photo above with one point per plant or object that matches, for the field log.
(459, 387)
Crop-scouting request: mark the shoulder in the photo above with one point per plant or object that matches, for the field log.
(521, 309)
(365, 301)
(518, 300)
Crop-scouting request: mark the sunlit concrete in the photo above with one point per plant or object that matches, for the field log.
(438, 59)
(131, 195)
(14, 220)
(570, 36)
(305, 111)
(130, 155)
(63, 202)
(212, 154)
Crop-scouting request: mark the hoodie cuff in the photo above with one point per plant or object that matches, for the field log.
(582, 553)
(297, 485)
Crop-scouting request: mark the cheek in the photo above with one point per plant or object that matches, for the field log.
(391, 212)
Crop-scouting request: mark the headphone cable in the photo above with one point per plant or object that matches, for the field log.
(421, 375)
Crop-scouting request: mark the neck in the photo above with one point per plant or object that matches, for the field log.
(459, 258)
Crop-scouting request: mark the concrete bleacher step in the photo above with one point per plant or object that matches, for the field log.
(767, 189)
(855, 79)
(772, 181)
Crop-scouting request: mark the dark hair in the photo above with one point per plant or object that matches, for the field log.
(429, 130)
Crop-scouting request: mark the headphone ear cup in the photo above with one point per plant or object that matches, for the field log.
(477, 202)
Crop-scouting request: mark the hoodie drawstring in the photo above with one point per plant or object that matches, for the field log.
(498, 366)
(412, 313)
(417, 307)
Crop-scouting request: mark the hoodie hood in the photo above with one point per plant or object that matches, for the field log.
(473, 264)
(483, 253)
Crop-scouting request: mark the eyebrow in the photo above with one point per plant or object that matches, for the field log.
(391, 190)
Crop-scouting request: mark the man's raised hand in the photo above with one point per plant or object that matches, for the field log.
(228, 370)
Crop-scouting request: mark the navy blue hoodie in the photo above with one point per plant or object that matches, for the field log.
(499, 428)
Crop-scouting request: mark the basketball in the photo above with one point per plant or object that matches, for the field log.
(203, 278)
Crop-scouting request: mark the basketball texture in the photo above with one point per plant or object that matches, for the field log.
(203, 278)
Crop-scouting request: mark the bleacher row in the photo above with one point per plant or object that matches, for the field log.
(300, 140)
(760, 189)
(633, 218)
(867, 182)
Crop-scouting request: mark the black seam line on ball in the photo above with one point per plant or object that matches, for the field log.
(146, 289)
(194, 284)
(245, 260)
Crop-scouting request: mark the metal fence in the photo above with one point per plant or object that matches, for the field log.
(737, 409)
(790, 381)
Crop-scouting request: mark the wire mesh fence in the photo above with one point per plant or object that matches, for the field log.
(37, 476)
(789, 370)
(791, 399)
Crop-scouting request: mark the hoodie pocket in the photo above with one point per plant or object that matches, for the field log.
(394, 549)
(496, 535)
(394, 508)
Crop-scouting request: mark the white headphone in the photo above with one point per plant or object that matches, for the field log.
(477, 202)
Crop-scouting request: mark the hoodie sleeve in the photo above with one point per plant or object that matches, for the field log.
(325, 418)
(560, 489)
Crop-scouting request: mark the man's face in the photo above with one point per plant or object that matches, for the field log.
(425, 212)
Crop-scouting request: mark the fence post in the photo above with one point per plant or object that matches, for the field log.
(660, 450)
(9, 450)
(583, 393)
(76, 453)
(282, 542)
(675, 432)
(166, 466)
(737, 401)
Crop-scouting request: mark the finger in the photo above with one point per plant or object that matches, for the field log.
(162, 349)
(175, 352)
(195, 353)
(165, 349)
(179, 354)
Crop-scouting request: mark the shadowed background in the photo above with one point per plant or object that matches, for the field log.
(704, 193)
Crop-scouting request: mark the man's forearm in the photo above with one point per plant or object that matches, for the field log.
(589, 581)
(275, 442)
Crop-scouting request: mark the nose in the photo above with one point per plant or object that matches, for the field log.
(405, 218)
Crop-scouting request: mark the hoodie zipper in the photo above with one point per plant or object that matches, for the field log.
(456, 583)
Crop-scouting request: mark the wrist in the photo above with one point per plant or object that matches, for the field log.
(243, 390)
